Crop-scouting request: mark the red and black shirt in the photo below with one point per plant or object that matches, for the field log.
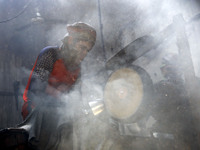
(49, 69)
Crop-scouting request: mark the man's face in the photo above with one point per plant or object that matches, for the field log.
(169, 71)
(78, 51)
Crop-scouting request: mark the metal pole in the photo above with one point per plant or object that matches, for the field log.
(101, 30)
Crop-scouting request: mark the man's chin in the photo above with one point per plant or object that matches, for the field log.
(74, 67)
(78, 62)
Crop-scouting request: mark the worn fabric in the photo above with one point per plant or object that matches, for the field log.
(49, 126)
(82, 31)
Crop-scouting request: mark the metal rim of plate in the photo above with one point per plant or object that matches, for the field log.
(127, 93)
(123, 93)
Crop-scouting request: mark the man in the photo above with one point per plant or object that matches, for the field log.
(47, 125)
(57, 68)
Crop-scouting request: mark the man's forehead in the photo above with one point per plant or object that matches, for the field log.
(84, 36)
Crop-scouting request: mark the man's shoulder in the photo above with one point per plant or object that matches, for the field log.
(49, 50)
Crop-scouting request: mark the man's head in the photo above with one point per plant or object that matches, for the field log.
(82, 31)
(171, 66)
(77, 43)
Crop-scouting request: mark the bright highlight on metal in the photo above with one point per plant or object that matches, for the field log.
(97, 107)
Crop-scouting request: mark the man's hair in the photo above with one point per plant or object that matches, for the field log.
(82, 31)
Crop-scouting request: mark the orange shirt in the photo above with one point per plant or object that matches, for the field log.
(60, 75)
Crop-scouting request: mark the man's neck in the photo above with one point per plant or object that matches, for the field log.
(68, 64)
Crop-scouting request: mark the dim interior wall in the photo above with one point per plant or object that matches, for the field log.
(9, 64)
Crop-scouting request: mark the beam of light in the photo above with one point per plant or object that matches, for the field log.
(143, 3)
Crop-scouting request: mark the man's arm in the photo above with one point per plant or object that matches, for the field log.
(56, 92)
(38, 79)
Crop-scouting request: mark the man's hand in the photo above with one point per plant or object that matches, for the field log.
(56, 92)
(62, 88)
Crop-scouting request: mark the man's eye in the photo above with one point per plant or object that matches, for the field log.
(83, 48)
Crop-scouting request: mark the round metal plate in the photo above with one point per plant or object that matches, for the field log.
(123, 93)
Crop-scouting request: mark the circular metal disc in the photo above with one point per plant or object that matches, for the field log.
(123, 93)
